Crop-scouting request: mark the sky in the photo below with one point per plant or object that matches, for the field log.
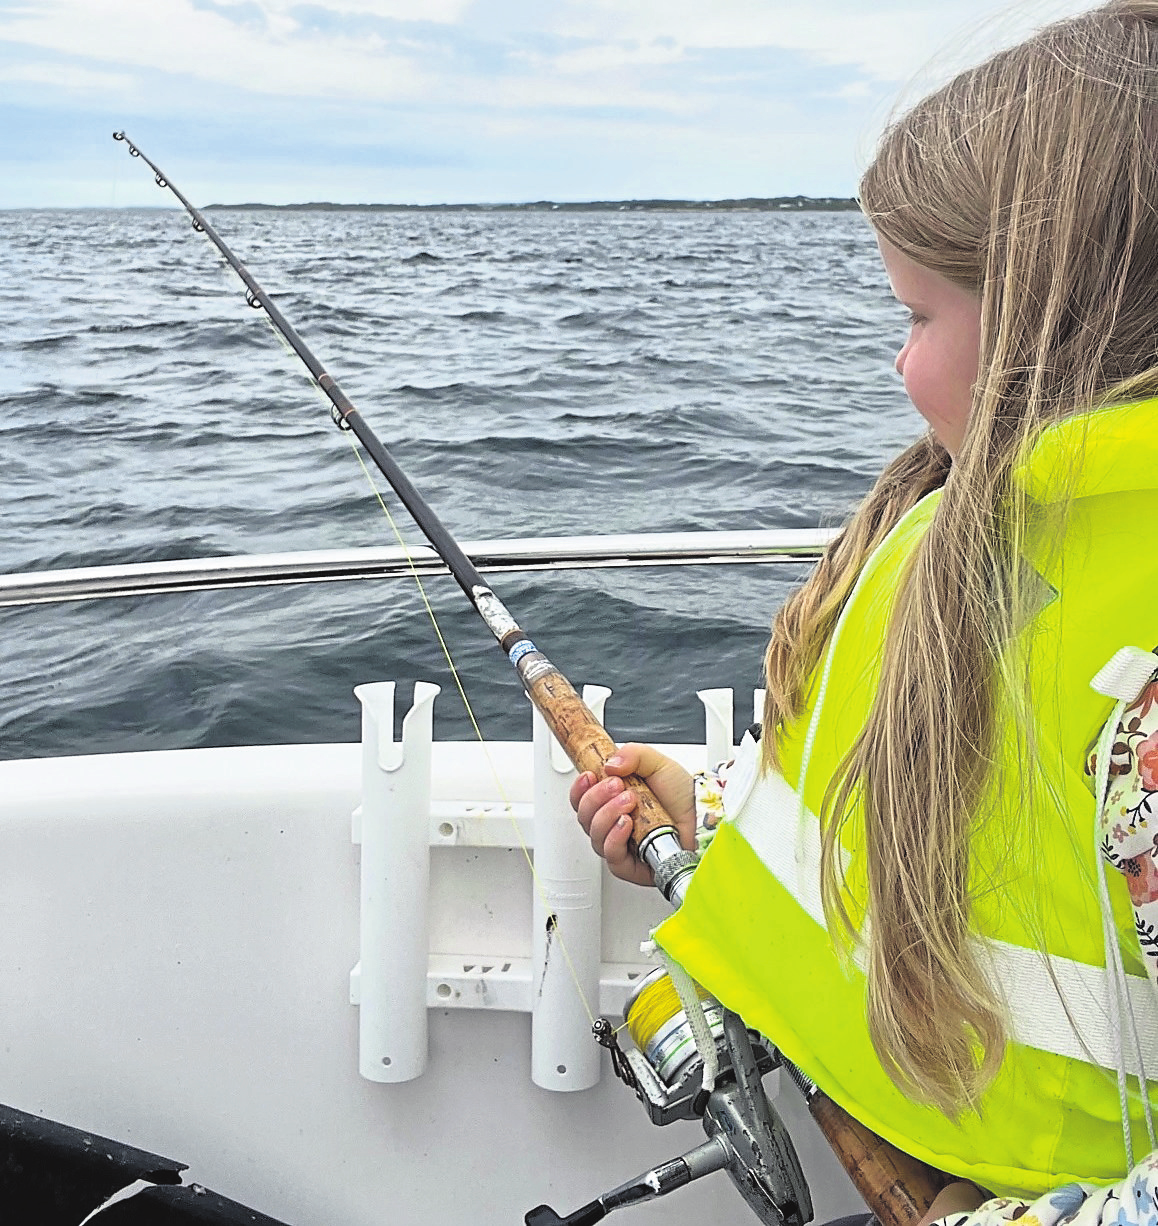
(431, 101)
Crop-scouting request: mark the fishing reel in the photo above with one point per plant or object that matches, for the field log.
(665, 1069)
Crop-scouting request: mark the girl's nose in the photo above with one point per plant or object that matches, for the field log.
(899, 364)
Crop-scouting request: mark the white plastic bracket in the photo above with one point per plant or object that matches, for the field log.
(719, 740)
(393, 826)
(398, 979)
(566, 924)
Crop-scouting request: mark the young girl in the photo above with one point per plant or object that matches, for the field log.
(907, 895)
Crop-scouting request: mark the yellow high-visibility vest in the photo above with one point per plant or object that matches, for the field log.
(752, 931)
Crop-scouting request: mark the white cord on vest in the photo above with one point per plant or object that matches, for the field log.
(698, 1019)
(1122, 678)
(693, 1010)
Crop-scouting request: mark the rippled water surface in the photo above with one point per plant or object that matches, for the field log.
(534, 373)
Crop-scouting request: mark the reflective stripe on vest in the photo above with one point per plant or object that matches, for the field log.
(764, 810)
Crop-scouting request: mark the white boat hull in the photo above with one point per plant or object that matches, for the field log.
(177, 931)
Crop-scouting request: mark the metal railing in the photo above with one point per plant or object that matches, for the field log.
(331, 565)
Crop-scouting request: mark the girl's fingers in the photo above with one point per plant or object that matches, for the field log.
(604, 806)
(636, 758)
(605, 822)
(626, 760)
(621, 860)
(579, 788)
(588, 798)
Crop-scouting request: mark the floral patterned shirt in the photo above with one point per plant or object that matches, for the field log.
(1128, 823)
(1128, 1203)
(709, 802)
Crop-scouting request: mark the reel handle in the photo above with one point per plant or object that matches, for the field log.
(587, 1215)
(712, 1155)
(897, 1187)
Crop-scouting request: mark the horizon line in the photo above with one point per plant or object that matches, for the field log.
(782, 203)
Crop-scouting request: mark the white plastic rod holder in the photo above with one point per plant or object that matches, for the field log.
(566, 921)
(719, 738)
(395, 837)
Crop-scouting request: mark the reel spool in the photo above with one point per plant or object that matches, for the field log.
(663, 1066)
(659, 1027)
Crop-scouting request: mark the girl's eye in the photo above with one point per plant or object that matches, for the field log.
(915, 319)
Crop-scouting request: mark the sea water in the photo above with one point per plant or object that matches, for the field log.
(535, 373)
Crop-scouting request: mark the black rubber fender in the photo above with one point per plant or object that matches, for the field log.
(187, 1205)
(52, 1174)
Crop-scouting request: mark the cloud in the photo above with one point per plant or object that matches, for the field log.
(486, 53)
(889, 39)
(727, 97)
(69, 78)
(359, 52)
(268, 55)
(602, 57)
(839, 33)
(438, 11)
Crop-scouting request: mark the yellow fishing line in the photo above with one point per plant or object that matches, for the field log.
(655, 1005)
(556, 933)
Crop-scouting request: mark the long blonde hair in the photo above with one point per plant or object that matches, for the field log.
(1032, 181)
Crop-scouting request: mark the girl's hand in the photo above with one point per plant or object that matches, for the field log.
(604, 807)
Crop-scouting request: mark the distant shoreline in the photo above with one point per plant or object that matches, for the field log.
(770, 204)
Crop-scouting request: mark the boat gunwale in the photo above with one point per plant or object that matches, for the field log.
(783, 545)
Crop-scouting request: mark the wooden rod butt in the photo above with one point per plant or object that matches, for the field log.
(897, 1187)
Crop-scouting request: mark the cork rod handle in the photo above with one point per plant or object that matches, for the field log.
(586, 743)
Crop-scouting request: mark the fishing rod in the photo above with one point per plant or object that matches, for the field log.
(745, 1134)
(582, 736)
